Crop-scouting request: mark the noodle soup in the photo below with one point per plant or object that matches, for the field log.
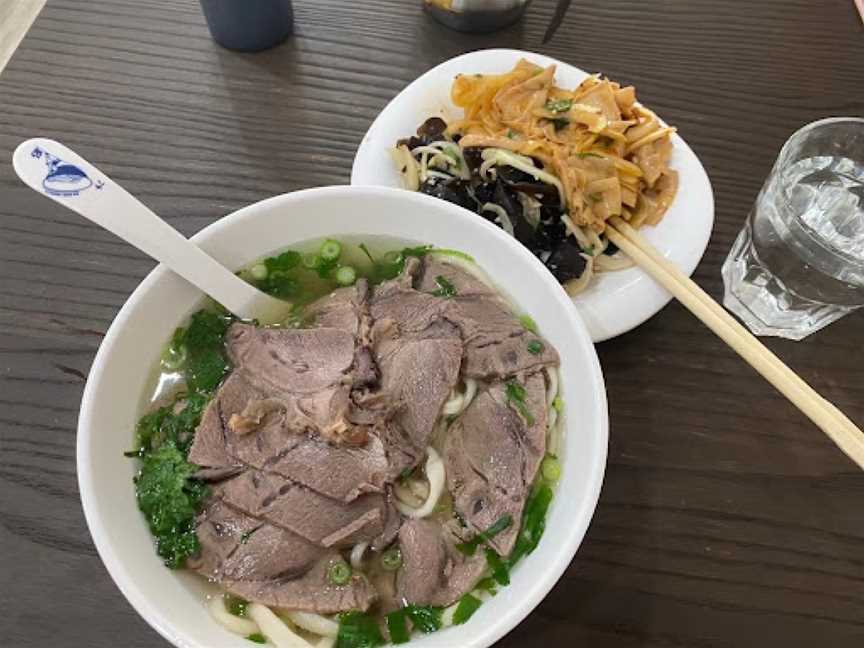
(371, 468)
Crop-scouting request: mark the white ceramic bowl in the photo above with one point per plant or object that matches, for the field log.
(615, 302)
(122, 374)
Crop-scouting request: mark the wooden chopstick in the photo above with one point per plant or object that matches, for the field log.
(824, 414)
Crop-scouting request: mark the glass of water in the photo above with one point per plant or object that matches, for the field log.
(798, 264)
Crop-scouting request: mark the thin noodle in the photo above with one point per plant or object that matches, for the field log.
(274, 628)
(314, 623)
(436, 475)
(357, 552)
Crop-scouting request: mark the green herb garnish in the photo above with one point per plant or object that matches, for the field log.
(170, 500)
(500, 570)
(445, 289)
(468, 605)
(424, 617)
(559, 105)
(358, 630)
(257, 638)
(515, 392)
(470, 547)
(206, 364)
(535, 347)
(533, 523)
(487, 585)
(510, 133)
(397, 627)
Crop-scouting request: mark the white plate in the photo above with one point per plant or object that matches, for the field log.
(615, 302)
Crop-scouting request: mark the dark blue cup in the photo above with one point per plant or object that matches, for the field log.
(248, 25)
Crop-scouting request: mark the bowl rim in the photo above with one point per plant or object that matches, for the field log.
(124, 580)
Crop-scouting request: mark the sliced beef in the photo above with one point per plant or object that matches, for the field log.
(491, 456)
(341, 472)
(342, 309)
(496, 345)
(433, 572)
(299, 361)
(419, 370)
(319, 519)
(312, 592)
(508, 357)
(237, 546)
(464, 282)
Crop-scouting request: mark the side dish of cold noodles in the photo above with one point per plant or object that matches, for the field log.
(371, 469)
(547, 164)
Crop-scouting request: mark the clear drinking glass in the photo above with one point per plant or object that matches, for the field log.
(798, 264)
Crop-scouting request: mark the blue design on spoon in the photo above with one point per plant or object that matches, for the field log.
(63, 178)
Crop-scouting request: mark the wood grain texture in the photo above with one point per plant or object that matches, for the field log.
(726, 519)
(16, 16)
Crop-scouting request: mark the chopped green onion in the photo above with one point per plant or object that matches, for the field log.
(551, 469)
(346, 275)
(560, 123)
(516, 395)
(358, 630)
(339, 572)
(311, 261)
(533, 523)
(500, 572)
(487, 585)
(257, 638)
(330, 250)
(468, 605)
(559, 106)
(535, 347)
(424, 617)
(391, 560)
(470, 547)
(528, 324)
(236, 606)
(445, 289)
(558, 404)
(398, 628)
(258, 271)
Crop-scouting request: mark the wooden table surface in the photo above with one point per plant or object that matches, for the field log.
(726, 518)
